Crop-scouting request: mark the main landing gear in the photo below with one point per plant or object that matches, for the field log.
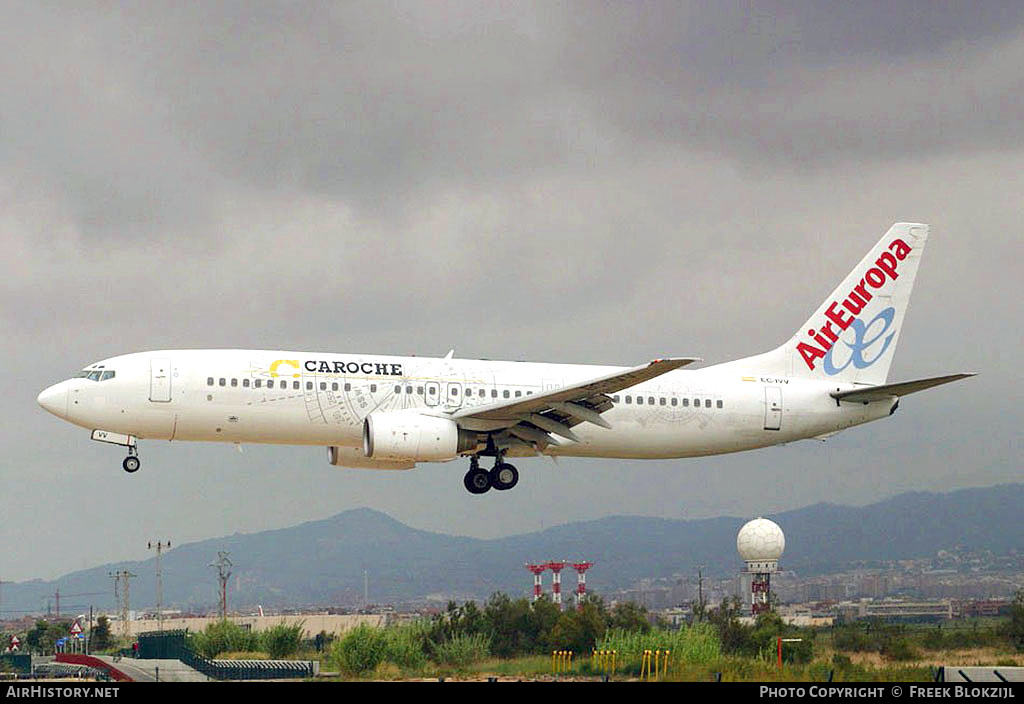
(501, 477)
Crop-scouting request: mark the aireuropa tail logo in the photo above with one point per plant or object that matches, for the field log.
(861, 342)
(837, 320)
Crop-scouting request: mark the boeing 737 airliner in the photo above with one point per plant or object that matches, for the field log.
(382, 412)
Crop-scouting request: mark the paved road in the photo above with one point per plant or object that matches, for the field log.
(146, 670)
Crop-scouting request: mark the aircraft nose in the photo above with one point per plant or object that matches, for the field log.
(55, 399)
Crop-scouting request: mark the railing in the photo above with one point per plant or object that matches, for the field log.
(247, 669)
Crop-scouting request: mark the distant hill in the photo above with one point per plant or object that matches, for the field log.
(322, 562)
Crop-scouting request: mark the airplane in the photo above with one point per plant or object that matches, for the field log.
(390, 413)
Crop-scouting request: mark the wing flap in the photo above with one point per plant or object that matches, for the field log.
(564, 398)
(887, 391)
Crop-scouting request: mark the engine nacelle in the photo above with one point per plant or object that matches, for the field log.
(411, 436)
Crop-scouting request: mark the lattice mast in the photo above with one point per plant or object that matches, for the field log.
(223, 564)
(159, 547)
(538, 578)
(556, 581)
(581, 582)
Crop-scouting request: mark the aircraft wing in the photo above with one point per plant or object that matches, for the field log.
(531, 418)
(884, 391)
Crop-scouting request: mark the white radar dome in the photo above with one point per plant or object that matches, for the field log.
(760, 540)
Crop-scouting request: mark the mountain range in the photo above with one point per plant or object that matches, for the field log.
(323, 562)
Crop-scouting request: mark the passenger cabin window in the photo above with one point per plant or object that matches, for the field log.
(222, 381)
(323, 386)
(309, 386)
(469, 392)
(373, 388)
(518, 394)
(398, 389)
(245, 383)
(408, 389)
(505, 393)
(234, 382)
(696, 403)
(295, 384)
(650, 400)
(334, 386)
(719, 403)
(615, 399)
(675, 401)
(629, 399)
(209, 381)
(258, 383)
(662, 401)
(494, 393)
(639, 400)
(686, 403)
(348, 387)
(707, 403)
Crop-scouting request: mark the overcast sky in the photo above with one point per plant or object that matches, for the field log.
(589, 182)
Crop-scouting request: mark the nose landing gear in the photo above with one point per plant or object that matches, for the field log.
(501, 477)
(132, 462)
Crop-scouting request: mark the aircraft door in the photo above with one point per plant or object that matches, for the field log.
(772, 408)
(432, 393)
(160, 380)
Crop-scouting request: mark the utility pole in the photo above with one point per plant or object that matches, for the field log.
(122, 586)
(159, 547)
(56, 596)
(223, 573)
(366, 589)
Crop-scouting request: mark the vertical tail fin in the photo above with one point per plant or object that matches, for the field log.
(853, 334)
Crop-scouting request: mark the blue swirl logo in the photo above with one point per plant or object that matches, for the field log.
(861, 342)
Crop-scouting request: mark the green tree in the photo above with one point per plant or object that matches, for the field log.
(360, 650)
(630, 616)
(580, 631)
(1014, 629)
(517, 626)
(281, 640)
(42, 638)
(769, 628)
(733, 635)
(100, 638)
(223, 637)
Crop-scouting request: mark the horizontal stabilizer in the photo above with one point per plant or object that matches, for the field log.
(885, 391)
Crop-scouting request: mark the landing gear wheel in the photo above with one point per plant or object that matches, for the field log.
(131, 464)
(504, 476)
(477, 480)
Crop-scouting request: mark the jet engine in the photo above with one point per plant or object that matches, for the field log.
(411, 435)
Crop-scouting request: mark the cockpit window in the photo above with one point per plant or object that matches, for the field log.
(95, 375)
(109, 374)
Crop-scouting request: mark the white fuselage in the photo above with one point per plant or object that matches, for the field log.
(323, 399)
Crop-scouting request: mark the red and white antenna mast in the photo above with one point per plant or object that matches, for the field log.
(581, 582)
(556, 581)
(538, 579)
